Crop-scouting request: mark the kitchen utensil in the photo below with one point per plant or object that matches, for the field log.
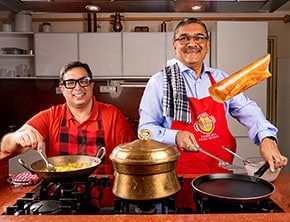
(251, 163)
(221, 163)
(262, 170)
(237, 155)
(257, 167)
(233, 187)
(73, 175)
(145, 169)
(49, 166)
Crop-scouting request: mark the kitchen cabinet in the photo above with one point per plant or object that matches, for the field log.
(52, 51)
(234, 45)
(16, 57)
(144, 54)
(110, 55)
(102, 52)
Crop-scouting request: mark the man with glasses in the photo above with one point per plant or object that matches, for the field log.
(80, 126)
(177, 108)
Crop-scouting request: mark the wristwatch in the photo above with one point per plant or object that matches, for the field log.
(272, 138)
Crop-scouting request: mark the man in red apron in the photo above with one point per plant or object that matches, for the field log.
(177, 108)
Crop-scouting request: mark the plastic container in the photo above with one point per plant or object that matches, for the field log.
(23, 22)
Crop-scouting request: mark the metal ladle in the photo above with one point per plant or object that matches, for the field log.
(222, 163)
(49, 166)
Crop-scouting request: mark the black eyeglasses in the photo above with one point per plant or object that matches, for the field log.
(185, 39)
(71, 83)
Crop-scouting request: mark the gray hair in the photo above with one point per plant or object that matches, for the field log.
(189, 21)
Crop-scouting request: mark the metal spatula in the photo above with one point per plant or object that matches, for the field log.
(222, 163)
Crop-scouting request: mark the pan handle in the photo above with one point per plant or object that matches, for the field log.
(25, 165)
(101, 153)
(262, 170)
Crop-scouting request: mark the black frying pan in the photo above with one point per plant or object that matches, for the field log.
(233, 187)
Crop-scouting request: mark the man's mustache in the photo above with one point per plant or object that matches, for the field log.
(190, 48)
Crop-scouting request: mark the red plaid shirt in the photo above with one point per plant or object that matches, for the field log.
(116, 128)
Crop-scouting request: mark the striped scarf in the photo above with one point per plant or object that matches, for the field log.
(175, 101)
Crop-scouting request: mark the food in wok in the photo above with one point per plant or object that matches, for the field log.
(69, 167)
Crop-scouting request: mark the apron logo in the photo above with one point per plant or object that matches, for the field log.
(204, 123)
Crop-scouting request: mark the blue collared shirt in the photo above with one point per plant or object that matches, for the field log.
(240, 107)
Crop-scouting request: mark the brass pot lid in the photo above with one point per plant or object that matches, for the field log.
(144, 151)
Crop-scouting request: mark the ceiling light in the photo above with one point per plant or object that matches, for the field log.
(196, 8)
(93, 8)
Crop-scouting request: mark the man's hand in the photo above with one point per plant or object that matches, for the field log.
(19, 141)
(28, 138)
(186, 141)
(271, 154)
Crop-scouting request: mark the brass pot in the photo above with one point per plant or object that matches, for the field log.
(145, 169)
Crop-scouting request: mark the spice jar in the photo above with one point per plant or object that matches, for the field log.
(6, 27)
(46, 27)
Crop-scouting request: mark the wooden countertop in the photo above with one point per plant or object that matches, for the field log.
(9, 193)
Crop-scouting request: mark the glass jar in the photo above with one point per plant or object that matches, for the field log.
(6, 27)
(46, 27)
(23, 22)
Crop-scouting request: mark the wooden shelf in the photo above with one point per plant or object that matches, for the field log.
(16, 55)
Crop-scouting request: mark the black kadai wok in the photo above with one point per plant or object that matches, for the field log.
(84, 165)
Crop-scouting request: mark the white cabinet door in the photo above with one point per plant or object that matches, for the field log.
(102, 52)
(235, 45)
(144, 54)
(53, 50)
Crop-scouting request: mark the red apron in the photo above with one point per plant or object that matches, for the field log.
(75, 141)
(210, 128)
